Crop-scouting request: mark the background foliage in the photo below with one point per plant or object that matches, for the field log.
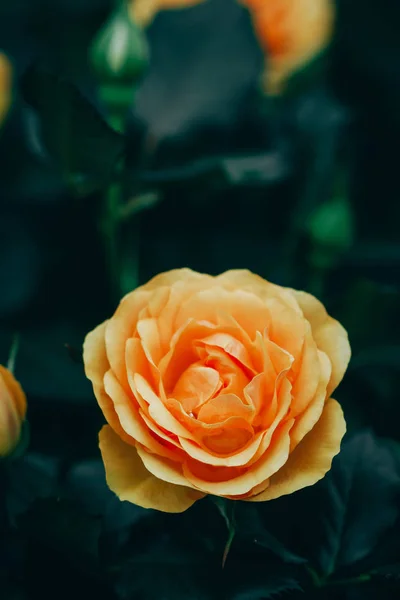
(302, 190)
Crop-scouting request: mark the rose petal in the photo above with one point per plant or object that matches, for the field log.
(287, 327)
(312, 458)
(137, 363)
(306, 383)
(268, 464)
(157, 410)
(16, 391)
(96, 365)
(130, 418)
(10, 421)
(120, 328)
(245, 307)
(224, 406)
(169, 278)
(306, 421)
(283, 399)
(94, 354)
(328, 334)
(236, 460)
(246, 280)
(128, 477)
(148, 333)
(196, 385)
(231, 346)
(183, 352)
(161, 467)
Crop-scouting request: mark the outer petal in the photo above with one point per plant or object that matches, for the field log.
(94, 355)
(311, 415)
(244, 279)
(127, 476)
(312, 458)
(121, 327)
(16, 391)
(96, 365)
(174, 276)
(328, 334)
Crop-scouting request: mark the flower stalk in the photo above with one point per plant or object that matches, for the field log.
(119, 56)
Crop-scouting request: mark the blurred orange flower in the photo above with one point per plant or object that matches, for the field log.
(144, 11)
(291, 33)
(216, 385)
(12, 412)
(5, 86)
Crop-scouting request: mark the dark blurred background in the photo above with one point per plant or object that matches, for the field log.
(302, 189)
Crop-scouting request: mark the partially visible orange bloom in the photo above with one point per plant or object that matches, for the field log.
(5, 86)
(144, 11)
(291, 33)
(12, 412)
(216, 385)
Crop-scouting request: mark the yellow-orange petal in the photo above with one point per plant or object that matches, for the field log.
(329, 335)
(232, 347)
(12, 412)
(120, 328)
(183, 352)
(238, 459)
(136, 362)
(244, 279)
(156, 409)
(260, 471)
(306, 421)
(312, 458)
(306, 383)
(130, 418)
(129, 479)
(161, 467)
(149, 335)
(169, 278)
(16, 391)
(96, 365)
(94, 355)
(244, 306)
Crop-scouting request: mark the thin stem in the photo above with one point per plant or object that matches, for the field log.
(110, 219)
(13, 352)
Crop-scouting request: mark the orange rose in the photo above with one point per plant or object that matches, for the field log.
(5, 86)
(216, 385)
(291, 33)
(144, 11)
(12, 412)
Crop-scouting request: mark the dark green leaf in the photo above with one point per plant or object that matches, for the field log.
(167, 570)
(34, 476)
(85, 485)
(74, 134)
(357, 504)
(248, 579)
(250, 527)
(219, 171)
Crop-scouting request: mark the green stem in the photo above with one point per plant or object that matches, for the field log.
(111, 220)
(13, 353)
